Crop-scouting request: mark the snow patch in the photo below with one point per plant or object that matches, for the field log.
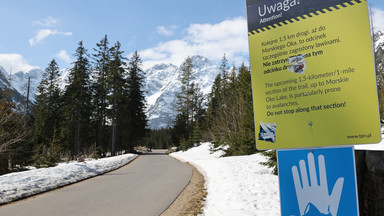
(19, 185)
(236, 185)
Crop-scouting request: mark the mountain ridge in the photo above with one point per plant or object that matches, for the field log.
(162, 84)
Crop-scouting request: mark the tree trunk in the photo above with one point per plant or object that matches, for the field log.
(113, 149)
(77, 138)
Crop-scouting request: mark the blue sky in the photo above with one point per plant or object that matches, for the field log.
(166, 31)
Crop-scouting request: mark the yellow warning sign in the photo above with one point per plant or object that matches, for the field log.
(313, 75)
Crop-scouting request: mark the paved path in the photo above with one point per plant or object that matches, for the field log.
(146, 186)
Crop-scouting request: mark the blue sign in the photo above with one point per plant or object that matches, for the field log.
(318, 181)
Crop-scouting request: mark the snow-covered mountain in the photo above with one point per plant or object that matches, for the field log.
(19, 82)
(163, 83)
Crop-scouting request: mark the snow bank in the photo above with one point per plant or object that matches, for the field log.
(14, 186)
(235, 185)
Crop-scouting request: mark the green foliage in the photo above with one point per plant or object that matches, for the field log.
(159, 139)
(48, 109)
(272, 160)
(137, 117)
(230, 111)
(48, 155)
(77, 104)
(117, 88)
(191, 112)
(102, 58)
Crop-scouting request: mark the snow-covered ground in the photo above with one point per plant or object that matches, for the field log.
(240, 185)
(235, 185)
(14, 186)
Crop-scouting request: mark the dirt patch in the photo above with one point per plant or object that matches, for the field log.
(190, 201)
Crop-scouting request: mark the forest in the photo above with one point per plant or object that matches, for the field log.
(101, 111)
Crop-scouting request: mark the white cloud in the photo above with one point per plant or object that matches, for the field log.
(63, 55)
(166, 31)
(44, 33)
(15, 63)
(48, 22)
(378, 19)
(210, 40)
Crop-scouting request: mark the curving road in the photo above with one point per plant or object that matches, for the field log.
(146, 186)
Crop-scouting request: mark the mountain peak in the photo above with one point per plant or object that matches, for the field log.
(162, 85)
(198, 61)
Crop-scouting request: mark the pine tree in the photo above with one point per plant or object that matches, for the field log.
(184, 117)
(197, 105)
(248, 125)
(191, 111)
(48, 104)
(116, 83)
(77, 99)
(224, 71)
(48, 109)
(102, 59)
(230, 112)
(136, 104)
(214, 104)
(185, 96)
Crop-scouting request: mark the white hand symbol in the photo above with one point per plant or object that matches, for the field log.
(316, 194)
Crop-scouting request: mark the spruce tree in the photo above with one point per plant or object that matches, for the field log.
(230, 112)
(48, 109)
(182, 128)
(102, 59)
(136, 104)
(185, 96)
(117, 85)
(190, 106)
(248, 125)
(48, 104)
(77, 98)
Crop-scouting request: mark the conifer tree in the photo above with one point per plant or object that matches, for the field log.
(185, 96)
(224, 71)
(77, 98)
(117, 85)
(48, 109)
(48, 104)
(214, 103)
(248, 125)
(231, 117)
(182, 128)
(190, 106)
(136, 104)
(102, 59)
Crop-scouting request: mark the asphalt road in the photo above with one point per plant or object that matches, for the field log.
(146, 186)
